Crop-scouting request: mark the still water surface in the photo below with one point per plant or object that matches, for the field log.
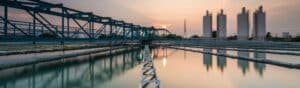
(175, 68)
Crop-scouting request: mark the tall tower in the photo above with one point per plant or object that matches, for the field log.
(184, 28)
(259, 23)
(221, 25)
(207, 25)
(243, 25)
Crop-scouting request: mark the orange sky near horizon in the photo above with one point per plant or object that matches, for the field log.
(282, 15)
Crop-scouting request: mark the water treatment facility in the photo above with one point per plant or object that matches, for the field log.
(149, 44)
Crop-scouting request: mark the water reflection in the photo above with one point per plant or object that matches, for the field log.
(260, 67)
(243, 64)
(162, 55)
(87, 71)
(221, 60)
(201, 70)
(207, 58)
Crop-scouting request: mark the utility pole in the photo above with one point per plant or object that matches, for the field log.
(184, 28)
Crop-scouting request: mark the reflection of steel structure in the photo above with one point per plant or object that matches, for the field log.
(89, 25)
(149, 72)
(165, 54)
(86, 71)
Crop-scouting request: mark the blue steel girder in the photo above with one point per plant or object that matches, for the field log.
(15, 26)
(38, 6)
(100, 31)
(44, 19)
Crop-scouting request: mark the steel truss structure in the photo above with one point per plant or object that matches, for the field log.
(41, 27)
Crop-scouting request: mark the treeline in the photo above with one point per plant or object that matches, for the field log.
(269, 37)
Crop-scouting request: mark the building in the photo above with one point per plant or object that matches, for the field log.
(286, 35)
(207, 25)
(221, 25)
(243, 25)
(259, 25)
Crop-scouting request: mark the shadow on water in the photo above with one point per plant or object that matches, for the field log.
(80, 72)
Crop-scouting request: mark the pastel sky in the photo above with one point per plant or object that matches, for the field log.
(282, 15)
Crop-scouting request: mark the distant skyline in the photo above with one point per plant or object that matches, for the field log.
(282, 15)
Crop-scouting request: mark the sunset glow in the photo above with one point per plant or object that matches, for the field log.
(282, 15)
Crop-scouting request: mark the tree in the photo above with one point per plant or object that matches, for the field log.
(195, 36)
(173, 36)
(269, 35)
(47, 35)
(214, 34)
(234, 37)
(296, 39)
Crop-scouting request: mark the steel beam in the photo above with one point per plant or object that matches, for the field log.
(34, 24)
(63, 25)
(15, 27)
(42, 7)
(82, 28)
(90, 29)
(34, 27)
(68, 27)
(49, 23)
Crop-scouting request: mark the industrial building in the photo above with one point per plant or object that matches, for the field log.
(221, 25)
(207, 25)
(243, 25)
(286, 35)
(259, 25)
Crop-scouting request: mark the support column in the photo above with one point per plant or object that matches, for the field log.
(137, 33)
(34, 27)
(5, 18)
(90, 29)
(110, 29)
(123, 32)
(132, 33)
(144, 33)
(63, 26)
(110, 35)
(29, 28)
(68, 27)
(34, 24)
(42, 30)
(93, 33)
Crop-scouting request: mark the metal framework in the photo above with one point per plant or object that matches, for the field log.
(40, 26)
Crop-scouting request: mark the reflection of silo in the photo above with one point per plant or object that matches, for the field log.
(221, 59)
(259, 67)
(243, 64)
(207, 59)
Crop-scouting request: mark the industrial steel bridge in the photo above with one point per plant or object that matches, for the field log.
(71, 24)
